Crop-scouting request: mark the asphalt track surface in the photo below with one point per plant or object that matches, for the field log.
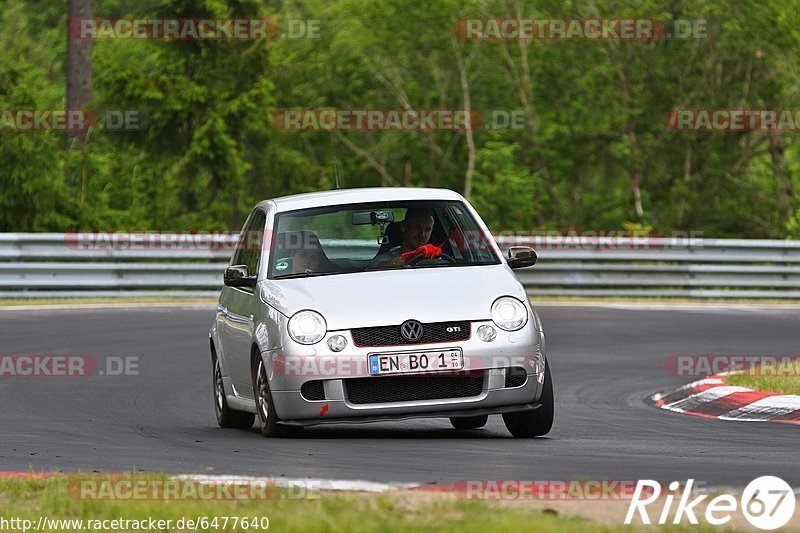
(604, 360)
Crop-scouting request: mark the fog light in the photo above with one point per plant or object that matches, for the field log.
(487, 333)
(337, 343)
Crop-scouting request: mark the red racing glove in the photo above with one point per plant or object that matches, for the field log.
(428, 251)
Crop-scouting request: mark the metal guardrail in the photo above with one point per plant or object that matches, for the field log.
(36, 265)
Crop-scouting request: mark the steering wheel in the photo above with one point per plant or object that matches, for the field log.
(419, 258)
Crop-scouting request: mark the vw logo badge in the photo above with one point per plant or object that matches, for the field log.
(411, 330)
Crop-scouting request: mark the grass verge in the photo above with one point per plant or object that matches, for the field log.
(56, 498)
(783, 378)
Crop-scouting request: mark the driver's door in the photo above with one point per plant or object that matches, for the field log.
(238, 306)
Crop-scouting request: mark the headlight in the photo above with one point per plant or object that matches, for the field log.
(509, 313)
(307, 327)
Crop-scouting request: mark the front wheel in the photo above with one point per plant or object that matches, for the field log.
(469, 422)
(534, 423)
(227, 417)
(265, 407)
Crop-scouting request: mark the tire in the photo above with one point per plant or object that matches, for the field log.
(265, 407)
(227, 417)
(469, 422)
(534, 423)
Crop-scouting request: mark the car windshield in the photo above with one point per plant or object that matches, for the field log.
(377, 236)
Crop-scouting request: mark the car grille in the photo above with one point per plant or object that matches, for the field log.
(313, 390)
(412, 388)
(432, 332)
(515, 376)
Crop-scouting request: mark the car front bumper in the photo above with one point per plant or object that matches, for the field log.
(296, 365)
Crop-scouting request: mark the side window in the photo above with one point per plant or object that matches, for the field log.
(248, 249)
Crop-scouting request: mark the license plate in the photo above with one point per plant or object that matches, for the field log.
(412, 362)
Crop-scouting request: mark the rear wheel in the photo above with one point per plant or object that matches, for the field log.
(534, 423)
(227, 417)
(265, 407)
(469, 422)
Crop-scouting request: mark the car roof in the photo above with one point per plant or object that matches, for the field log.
(354, 196)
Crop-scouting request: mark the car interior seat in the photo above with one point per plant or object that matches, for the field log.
(394, 237)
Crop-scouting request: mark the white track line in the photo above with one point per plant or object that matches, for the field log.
(306, 483)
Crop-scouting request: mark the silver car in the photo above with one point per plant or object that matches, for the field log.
(363, 305)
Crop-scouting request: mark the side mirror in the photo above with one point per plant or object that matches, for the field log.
(238, 276)
(521, 256)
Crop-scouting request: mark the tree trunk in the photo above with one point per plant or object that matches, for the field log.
(780, 170)
(636, 187)
(79, 69)
(462, 71)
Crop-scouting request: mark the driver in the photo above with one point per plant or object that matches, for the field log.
(416, 228)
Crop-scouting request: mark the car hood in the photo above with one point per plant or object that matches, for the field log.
(391, 296)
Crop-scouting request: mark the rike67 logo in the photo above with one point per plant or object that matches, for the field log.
(767, 503)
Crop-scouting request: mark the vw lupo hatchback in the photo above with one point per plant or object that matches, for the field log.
(363, 305)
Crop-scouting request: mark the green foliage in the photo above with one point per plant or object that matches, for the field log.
(505, 192)
(793, 226)
(594, 153)
(34, 195)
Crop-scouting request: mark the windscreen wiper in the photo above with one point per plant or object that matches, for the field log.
(390, 267)
(307, 274)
